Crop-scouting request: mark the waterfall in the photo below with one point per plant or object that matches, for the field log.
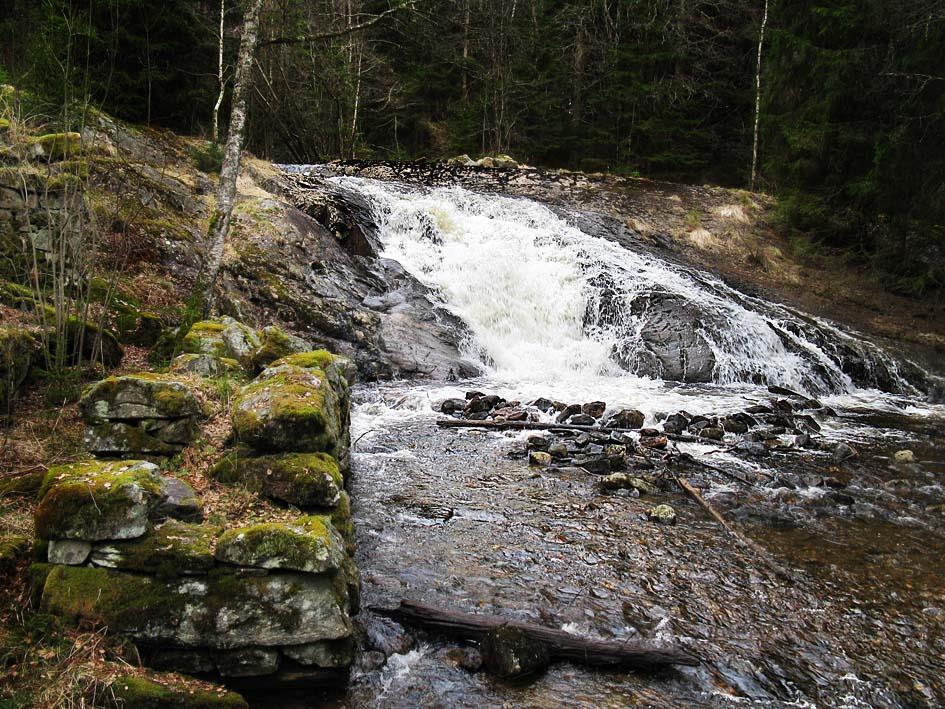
(544, 300)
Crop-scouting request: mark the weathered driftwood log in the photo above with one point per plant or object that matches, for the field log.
(539, 426)
(629, 654)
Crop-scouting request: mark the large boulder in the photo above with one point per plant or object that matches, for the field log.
(673, 346)
(306, 480)
(223, 337)
(139, 414)
(96, 500)
(17, 350)
(307, 544)
(219, 611)
(289, 408)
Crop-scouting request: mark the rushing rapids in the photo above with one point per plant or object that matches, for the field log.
(554, 304)
(544, 300)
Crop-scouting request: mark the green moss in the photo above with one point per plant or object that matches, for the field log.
(58, 146)
(316, 359)
(79, 168)
(340, 518)
(13, 549)
(274, 344)
(307, 544)
(291, 410)
(96, 500)
(173, 549)
(124, 396)
(17, 350)
(290, 608)
(306, 480)
(149, 693)
(111, 598)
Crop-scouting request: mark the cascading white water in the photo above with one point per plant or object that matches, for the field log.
(524, 281)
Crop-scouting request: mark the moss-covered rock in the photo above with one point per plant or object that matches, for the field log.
(291, 409)
(223, 337)
(143, 414)
(203, 365)
(274, 344)
(18, 347)
(157, 438)
(218, 611)
(97, 500)
(342, 374)
(14, 548)
(138, 396)
(306, 480)
(155, 692)
(172, 549)
(56, 146)
(307, 544)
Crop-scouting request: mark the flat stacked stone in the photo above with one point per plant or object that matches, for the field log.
(139, 414)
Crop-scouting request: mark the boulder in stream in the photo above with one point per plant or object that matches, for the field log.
(510, 653)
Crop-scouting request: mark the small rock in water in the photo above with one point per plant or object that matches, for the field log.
(537, 443)
(558, 450)
(582, 420)
(567, 412)
(626, 418)
(470, 395)
(452, 406)
(468, 658)
(509, 653)
(711, 432)
(649, 432)
(662, 514)
(596, 465)
(370, 661)
(617, 481)
(543, 405)
(676, 423)
(594, 408)
(904, 456)
(539, 458)
(654, 442)
(843, 451)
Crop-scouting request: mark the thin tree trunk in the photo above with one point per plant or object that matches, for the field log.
(216, 107)
(230, 169)
(466, 53)
(754, 148)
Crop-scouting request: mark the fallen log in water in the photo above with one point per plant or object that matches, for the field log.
(766, 558)
(539, 426)
(628, 654)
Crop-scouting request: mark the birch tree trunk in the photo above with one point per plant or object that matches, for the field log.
(230, 169)
(216, 107)
(754, 148)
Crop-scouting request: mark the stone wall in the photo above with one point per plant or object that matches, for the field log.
(133, 549)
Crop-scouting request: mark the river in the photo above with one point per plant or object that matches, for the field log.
(458, 518)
